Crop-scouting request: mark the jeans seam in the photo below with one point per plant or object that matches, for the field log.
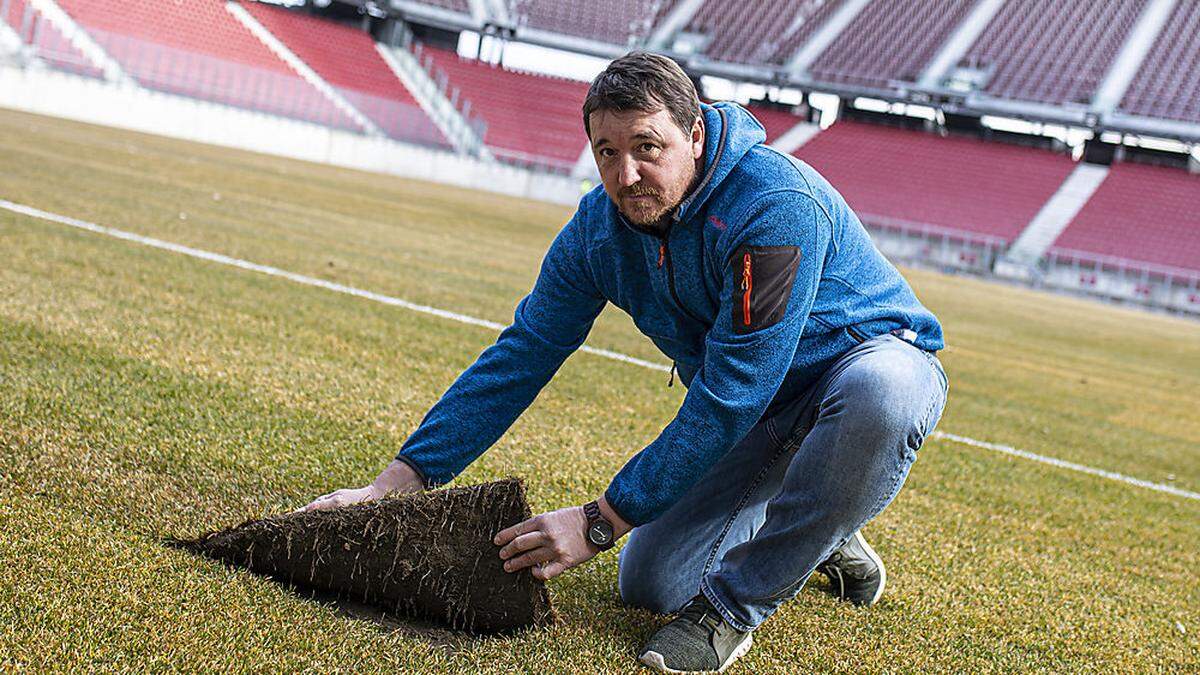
(772, 433)
(741, 503)
(709, 593)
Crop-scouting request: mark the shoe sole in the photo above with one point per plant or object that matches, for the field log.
(879, 563)
(655, 660)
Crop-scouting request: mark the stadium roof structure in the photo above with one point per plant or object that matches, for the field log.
(1130, 66)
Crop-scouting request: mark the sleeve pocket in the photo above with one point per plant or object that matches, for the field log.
(763, 278)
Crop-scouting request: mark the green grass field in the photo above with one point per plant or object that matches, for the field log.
(144, 393)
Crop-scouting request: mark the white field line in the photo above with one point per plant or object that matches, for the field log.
(1063, 464)
(462, 318)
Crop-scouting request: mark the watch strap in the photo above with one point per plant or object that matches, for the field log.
(592, 511)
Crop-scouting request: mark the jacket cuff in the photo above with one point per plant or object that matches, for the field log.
(415, 467)
(619, 508)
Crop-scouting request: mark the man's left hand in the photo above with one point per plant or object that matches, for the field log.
(551, 543)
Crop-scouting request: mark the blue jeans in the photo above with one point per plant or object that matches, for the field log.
(796, 488)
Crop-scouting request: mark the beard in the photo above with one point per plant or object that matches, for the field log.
(649, 211)
(654, 208)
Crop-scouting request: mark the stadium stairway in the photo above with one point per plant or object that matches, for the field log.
(350, 68)
(433, 100)
(510, 100)
(889, 41)
(252, 16)
(819, 41)
(1022, 257)
(74, 46)
(1086, 38)
(1157, 203)
(959, 42)
(1168, 83)
(1132, 55)
(200, 50)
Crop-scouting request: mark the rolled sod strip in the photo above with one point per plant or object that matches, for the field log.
(428, 555)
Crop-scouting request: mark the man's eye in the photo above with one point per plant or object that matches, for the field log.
(607, 152)
(647, 147)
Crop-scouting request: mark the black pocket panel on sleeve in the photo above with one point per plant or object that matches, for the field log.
(764, 276)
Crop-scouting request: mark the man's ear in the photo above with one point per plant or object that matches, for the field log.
(698, 138)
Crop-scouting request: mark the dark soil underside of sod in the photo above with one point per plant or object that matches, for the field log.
(428, 555)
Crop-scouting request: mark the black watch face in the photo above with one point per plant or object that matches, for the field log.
(600, 534)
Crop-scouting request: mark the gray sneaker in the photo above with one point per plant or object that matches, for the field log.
(698, 640)
(855, 572)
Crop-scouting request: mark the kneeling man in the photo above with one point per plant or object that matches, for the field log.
(810, 365)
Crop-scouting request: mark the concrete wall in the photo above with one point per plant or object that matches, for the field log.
(49, 92)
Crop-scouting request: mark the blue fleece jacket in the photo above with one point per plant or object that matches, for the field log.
(763, 279)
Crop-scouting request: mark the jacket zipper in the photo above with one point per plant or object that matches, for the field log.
(747, 286)
(665, 251)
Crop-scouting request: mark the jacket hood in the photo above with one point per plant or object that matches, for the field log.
(730, 131)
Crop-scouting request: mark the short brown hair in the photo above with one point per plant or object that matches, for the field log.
(645, 82)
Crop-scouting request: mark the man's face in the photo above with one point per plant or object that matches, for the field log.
(646, 162)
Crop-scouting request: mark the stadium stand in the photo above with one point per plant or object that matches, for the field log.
(747, 32)
(889, 40)
(199, 49)
(914, 180)
(48, 43)
(346, 58)
(619, 22)
(531, 119)
(958, 201)
(1050, 51)
(775, 120)
(1168, 83)
(1140, 213)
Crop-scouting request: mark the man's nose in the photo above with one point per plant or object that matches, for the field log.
(629, 172)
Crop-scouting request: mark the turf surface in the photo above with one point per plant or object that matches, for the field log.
(144, 393)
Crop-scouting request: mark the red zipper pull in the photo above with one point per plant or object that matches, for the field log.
(662, 249)
(747, 286)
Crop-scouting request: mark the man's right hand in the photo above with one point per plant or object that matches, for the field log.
(398, 478)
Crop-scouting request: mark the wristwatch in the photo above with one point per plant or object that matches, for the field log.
(599, 531)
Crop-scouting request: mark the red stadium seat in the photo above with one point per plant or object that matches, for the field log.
(50, 45)
(198, 49)
(1168, 83)
(889, 40)
(613, 21)
(963, 184)
(775, 120)
(1141, 213)
(759, 32)
(1051, 51)
(346, 58)
(530, 118)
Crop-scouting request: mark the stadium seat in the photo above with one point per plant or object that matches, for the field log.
(889, 40)
(1168, 83)
(759, 32)
(916, 179)
(1051, 51)
(777, 121)
(198, 49)
(1141, 213)
(48, 43)
(532, 119)
(346, 58)
(619, 22)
